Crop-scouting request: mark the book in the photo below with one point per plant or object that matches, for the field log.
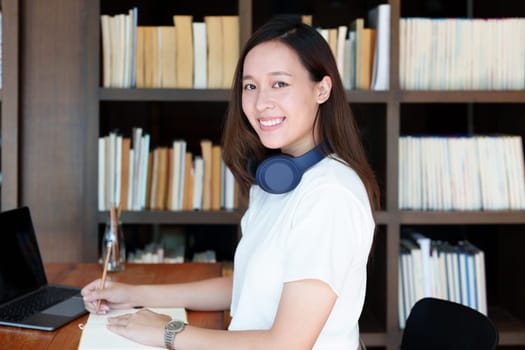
(207, 157)
(379, 19)
(215, 51)
(416, 272)
(118, 170)
(369, 39)
(231, 47)
(115, 46)
(167, 56)
(404, 292)
(162, 180)
(340, 58)
(127, 34)
(357, 26)
(426, 274)
(216, 177)
(332, 40)
(126, 144)
(184, 50)
(200, 56)
(96, 336)
(169, 164)
(198, 180)
(106, 50)
(148, 193)
(120, 23)
(187, 195)
(179, 151)
(139, 57)
(349, 62)
(131, 179)
(101, 173)
(132, 49)
(155, 158)
(151, 58)
(229, 189)
(145, 169)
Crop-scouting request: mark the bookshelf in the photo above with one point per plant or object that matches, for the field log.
(167, 114)
(9, 105)
(382, 116)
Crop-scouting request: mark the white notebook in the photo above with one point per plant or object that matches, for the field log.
(96, 336)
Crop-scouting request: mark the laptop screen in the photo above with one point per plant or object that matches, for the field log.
(20, 263)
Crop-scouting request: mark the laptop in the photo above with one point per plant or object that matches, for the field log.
(26, 298)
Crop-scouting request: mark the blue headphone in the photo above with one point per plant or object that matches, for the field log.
(281, 173)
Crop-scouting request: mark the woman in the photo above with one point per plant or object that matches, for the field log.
(300, 268)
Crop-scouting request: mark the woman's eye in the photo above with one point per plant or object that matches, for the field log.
(249, 87)
(279, 84)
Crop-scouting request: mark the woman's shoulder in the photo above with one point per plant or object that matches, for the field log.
(334, 171)
(333, 176)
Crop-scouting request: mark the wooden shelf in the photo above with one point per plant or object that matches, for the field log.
(385, 217)
(461, 217)
(9, 98)
(164, 95)
(463, 96)
(213, 95)
(367, 96)
(219, 217)
(59, 152)
(378, 330)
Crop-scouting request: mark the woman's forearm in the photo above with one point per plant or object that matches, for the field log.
(209, 295)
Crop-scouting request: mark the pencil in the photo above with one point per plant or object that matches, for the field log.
(105, 272)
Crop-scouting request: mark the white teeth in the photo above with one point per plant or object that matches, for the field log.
(271, 122)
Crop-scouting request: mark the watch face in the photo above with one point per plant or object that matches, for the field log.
(175, 325)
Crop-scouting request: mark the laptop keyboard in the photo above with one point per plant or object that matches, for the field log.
(36, 302)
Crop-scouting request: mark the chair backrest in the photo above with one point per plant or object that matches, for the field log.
(441, 324)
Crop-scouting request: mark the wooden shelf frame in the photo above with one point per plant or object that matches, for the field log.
(10, 104)
(378, 330)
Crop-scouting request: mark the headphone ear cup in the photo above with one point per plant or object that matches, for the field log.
(278, 174)
(282, 173)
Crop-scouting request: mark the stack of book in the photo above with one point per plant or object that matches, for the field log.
(461, 173)
(441, 270)
(132, 176)
(203, 55)
(186, 55)
(362, 52)
(460, 54)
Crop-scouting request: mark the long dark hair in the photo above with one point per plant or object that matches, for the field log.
(336, 124)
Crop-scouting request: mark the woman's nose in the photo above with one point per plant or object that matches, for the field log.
(264, 100)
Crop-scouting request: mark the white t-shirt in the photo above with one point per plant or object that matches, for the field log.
(321, 230)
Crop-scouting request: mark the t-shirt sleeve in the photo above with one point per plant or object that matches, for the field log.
(331, 235)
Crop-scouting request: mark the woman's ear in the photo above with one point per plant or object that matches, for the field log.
(324, 88)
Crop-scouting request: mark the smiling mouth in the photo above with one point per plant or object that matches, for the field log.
(271, 122)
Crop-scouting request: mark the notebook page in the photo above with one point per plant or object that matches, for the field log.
(96, 336)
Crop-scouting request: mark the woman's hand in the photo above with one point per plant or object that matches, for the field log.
(114, 295)
(144, 326)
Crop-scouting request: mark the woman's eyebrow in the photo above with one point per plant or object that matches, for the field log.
(276, 73)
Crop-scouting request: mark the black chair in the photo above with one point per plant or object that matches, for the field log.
(436, 324)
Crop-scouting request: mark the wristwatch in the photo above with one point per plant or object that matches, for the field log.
(172, 327)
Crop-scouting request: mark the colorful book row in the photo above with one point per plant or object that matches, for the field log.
(133, 177)
(429, 268)
(461, 173)
(185, 55)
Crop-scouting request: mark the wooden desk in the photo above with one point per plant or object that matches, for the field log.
(68, 337)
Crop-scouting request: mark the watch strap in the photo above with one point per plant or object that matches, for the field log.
(169, 333)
